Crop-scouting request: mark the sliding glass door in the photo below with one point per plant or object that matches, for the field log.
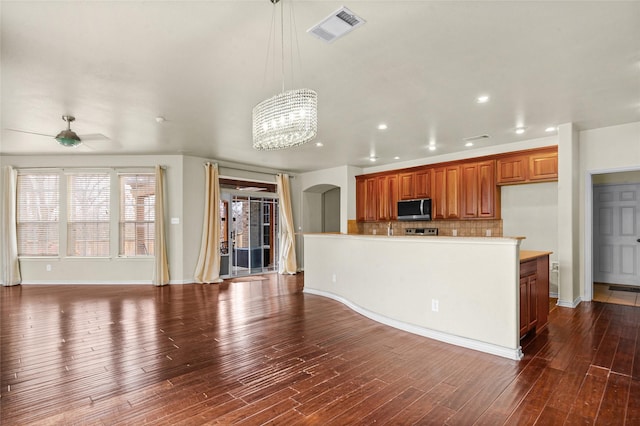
(252, 234)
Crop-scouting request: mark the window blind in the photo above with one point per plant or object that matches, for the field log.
(38, 214)
(88, 205)
(137, 214)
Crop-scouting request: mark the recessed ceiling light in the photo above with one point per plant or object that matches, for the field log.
(319, 144)
(160, 119)
(396, 158)
(468, 144)
(520, 130)
(482, 99)
(432, 147)
(550, 129)
(373, 159)
(382, 126)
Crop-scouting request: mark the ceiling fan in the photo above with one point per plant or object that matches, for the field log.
(67, 137)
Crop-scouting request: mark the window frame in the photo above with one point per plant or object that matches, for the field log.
(25, 173)
(63, 195)
(122, 221)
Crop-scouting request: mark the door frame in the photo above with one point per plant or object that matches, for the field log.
(229, 195)
(588, 225)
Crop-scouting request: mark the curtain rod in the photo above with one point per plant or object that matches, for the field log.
(85, 168)
(247, 170)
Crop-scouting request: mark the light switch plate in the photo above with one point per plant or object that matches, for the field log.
(175, 220)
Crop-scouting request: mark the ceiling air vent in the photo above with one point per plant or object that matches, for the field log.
(334, 26)
(475, 138)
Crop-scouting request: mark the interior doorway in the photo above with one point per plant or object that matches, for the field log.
(253, 235)
(615, 231)
(321, 209)
(249, 241)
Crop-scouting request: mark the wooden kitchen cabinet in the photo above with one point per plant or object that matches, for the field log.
(445, 202)
(393, 196)
(479, 195)
(543, 166)
(406, 185)
(527, 167)
(512, 169)
(360, 198)
(370, 200)
(528, 296)
(423, 183)
(376, 198)
(387, 197)
(415, 184)
(534, 292)
(465, 189)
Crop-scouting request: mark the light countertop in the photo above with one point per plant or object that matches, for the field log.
(532, 254)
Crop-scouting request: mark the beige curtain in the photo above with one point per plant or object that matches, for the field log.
(208, 267)
(287, 263)
(8, 240)
(161, 266)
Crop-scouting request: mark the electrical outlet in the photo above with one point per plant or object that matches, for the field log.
(48, 268)
(454, 232)
(488, 233)
(435, 305)
(333, 278)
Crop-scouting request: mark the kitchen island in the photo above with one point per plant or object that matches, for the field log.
(458, 290)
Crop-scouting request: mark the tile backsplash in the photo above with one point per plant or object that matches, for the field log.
(462, 228)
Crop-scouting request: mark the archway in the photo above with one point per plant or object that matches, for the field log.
(321, 209)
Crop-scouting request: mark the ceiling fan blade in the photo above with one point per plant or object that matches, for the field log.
(31, 133)
(94, 137)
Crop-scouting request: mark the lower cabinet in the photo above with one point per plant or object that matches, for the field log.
(534, 294)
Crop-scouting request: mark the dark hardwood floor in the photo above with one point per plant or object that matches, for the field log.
(262, 352)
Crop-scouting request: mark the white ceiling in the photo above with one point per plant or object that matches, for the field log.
(417, 66)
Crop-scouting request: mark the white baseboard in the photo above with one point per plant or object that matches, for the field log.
(67, 282)
(567, 304)
(128, 282)
(515, 354)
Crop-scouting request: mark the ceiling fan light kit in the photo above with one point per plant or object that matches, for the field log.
(288, 119)
(68, 138)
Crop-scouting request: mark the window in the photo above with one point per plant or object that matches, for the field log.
(137, 214)
(88, 214)
(38, 213)
(86, 198)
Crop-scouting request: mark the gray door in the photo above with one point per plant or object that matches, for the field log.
(616, 221)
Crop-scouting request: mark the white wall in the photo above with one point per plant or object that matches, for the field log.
(394, 280)
(531, 211)
(112, 270)
(603, 150)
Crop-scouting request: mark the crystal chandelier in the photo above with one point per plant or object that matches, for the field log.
(288, 119)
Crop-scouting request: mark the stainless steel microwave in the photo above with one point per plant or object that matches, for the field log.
(414, 209)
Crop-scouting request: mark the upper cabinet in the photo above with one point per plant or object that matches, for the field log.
(543, 166)
(387, 194)
(467, 189)
(479, 197)
(377, 197)
(415, 184)
(361, 195)
(512, 169)
(445, 203)
(533, 166)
